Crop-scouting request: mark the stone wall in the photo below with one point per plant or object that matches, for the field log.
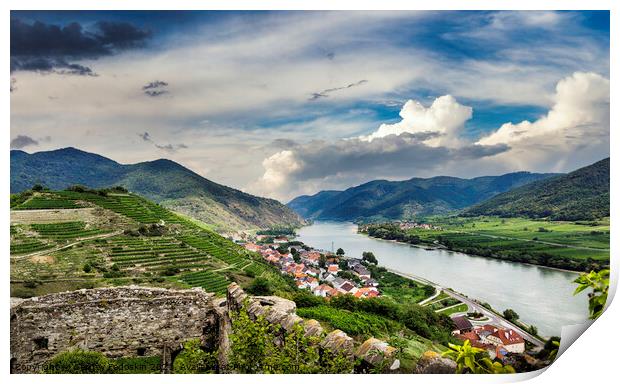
(137, 321)
(126, 321)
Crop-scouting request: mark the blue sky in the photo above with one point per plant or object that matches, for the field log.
(222, 92)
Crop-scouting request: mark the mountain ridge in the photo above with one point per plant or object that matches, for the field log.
(161, 180)
(407, 199)
(582, 194)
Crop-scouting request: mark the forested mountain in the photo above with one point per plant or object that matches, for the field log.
(163, 181)
(580, 195)
(381, 199)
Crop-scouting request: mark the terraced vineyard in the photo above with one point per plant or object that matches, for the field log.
(256, 268)
(156, 246)
(132, 206)
(225, 252)
(66, 231)
(210, 281)
(28, 246)
(154, 254)
(47, 202)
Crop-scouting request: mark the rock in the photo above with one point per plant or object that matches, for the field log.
(312, 328)
(431, 363)
(338, 342)
(375, 351)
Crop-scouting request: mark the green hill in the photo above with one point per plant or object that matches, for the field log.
(580, 195)
(394, 200)
(89, 239)
(162, 181)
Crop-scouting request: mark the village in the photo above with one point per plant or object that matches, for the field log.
(323, 273)
(406, 225)
(327, 274)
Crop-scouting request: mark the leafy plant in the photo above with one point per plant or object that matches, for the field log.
(599, 283)
(470, 359)
(253, 349)
(192, 359)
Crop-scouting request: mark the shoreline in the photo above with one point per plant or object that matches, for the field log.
(444, 248)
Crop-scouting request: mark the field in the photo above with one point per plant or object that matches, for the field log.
(454, 309)
(577, 246)
(593, 235)
(116, 239)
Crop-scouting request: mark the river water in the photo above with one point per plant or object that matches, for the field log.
(541, 296)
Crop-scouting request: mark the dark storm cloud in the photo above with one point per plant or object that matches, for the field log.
(391, 156)
(155, 88)
(52, 48)
(21, 141)
(325, 92)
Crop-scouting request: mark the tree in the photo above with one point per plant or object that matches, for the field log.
(428, 290)
(511, 315)
(322, 261)
(340, 252)
(37, 188)
(260, 286)
(369, 257)
(599, 283)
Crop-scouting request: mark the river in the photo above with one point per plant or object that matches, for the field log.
(541, 296)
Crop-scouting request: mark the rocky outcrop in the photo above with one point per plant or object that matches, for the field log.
(432, 363)
(137, 321)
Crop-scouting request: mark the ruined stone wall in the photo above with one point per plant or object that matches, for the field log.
(137, 321)
(125, 321)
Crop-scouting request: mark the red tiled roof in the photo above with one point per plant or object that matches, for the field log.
(508, 336)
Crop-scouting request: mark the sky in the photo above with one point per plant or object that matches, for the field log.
(281, 104)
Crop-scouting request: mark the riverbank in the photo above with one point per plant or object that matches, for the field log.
(430, 247)
(541, 296)
(562, 257)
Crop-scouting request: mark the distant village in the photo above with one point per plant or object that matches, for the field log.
(406, 225)
(320, 272)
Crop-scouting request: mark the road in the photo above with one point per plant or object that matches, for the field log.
(495, 318)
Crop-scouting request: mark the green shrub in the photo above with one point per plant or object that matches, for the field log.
(78, 361)
(261, 287)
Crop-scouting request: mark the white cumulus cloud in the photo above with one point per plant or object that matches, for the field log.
(445, 117)
(427, 142)
(581, 108)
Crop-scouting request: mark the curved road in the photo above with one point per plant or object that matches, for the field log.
(495, 318)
